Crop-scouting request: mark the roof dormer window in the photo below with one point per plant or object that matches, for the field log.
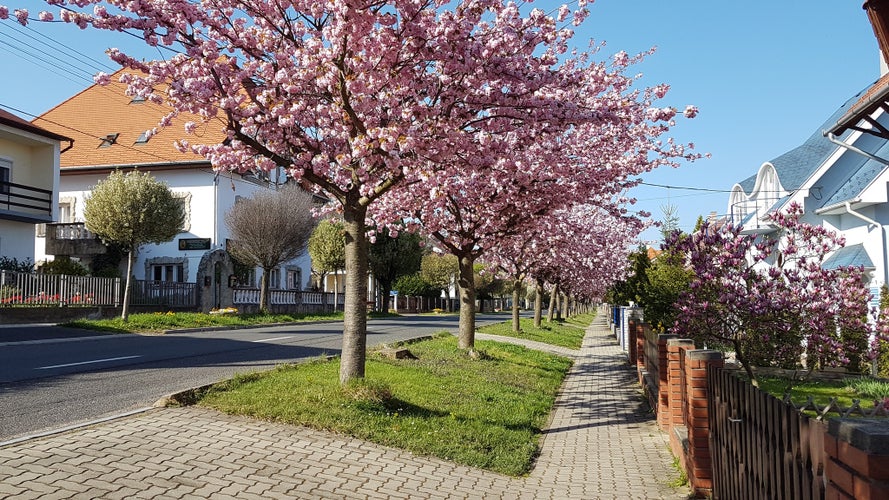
(143, 138)
(109, 140)
(138, 99)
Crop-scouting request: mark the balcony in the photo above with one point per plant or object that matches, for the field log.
(25, 203)
(72, 239)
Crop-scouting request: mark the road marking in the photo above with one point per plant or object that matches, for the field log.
(86, 362)
(274, 338)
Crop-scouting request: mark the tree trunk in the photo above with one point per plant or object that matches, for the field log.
(125, 308)
(466, 284)
(355, 314)
(563, 309)
(538, 303)
(553, 300)
(264, 291)
(516, 324)
(385, 290)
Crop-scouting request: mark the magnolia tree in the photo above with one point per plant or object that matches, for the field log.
(770, 300)
(358, 99)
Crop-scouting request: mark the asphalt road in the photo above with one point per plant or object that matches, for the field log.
(69, 379)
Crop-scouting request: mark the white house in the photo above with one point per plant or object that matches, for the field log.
(840, 175)
(29, 183)
(110, 132)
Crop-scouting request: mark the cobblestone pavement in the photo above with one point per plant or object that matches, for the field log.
(600, 444)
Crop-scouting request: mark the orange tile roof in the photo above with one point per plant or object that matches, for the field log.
(869, 101)
(99, 111)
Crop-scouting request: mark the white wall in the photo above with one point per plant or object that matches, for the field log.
(207, 205)
(17, 240)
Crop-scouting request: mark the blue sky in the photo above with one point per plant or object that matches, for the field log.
(764, 74)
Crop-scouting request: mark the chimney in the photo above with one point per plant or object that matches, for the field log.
(878, 14)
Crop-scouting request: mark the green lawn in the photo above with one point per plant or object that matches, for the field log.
(867, 390)
(485, 412)
(158, 322)
(568, 333)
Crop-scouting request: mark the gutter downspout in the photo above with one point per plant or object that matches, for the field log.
(832, 138)
(852, 212)
(848, 205)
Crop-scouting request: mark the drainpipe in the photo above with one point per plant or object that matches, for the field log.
(848, 205)
(832, 138)
(859, 215)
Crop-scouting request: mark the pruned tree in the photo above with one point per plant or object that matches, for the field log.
(132, 210)
(270, 228)
(327, 248)
(393, 257)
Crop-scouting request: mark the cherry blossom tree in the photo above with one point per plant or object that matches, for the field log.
(524, 165)
(444, 99)
(770, 300)
(579, 248)
(352, 97)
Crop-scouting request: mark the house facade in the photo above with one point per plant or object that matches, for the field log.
(29, 183)
(839, 175)
(113, 131)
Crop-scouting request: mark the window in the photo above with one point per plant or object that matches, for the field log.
(5, 175)
(185, 199)
(275, 278)
(109, 140)
(168, 272)
(137, 99)
(66, 210)
(143, 138)
(294, 279)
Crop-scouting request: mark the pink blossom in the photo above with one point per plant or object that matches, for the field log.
(22, 16)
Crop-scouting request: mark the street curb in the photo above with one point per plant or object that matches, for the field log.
(73, 427)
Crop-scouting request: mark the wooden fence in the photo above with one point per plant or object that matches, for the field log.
(735, 441)
(761, 447)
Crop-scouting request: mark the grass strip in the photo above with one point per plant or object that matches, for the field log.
(158, 322)
(866, 390)
(486, 412)
(567, 333)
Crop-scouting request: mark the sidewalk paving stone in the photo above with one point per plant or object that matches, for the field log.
(601, 443)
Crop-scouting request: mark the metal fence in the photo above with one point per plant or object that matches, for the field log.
(19, 289)
(163, 293)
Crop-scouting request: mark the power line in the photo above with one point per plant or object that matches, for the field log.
(686, 188)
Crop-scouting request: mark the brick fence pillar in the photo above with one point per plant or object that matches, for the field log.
(699, 466)
(676, 378)
(663, 386)
(857, 459)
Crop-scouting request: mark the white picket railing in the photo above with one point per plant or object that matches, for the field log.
(284, 297)
(57, 290)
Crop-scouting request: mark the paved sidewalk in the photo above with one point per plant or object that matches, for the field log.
(600, 444)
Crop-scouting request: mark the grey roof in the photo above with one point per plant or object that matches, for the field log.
(798, 164)
(859, 178)
(850, 256)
